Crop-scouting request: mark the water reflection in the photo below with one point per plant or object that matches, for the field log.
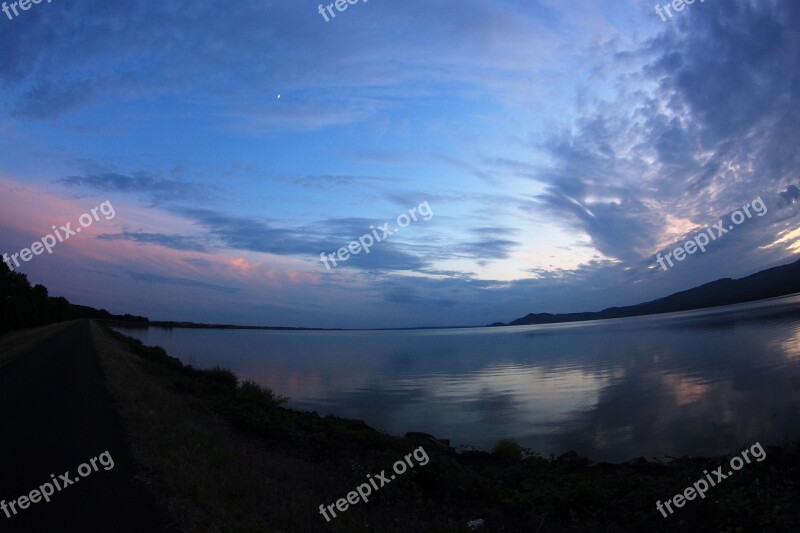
(688, 383)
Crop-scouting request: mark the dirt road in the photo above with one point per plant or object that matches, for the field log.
(55, 415)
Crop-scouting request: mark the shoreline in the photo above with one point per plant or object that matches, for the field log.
(497, 326)
(325, 457)
(474, 438)
(220, 454)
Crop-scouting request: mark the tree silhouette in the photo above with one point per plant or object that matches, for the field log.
(23, 306)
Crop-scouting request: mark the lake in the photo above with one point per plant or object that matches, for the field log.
(700, 382)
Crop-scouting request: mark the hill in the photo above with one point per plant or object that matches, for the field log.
(770, 283)
(23, 306)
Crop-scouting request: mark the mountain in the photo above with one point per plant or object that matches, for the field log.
(770, 283)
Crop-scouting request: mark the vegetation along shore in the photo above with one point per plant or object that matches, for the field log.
(224, 455)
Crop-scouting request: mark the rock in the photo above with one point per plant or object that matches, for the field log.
(475, 524)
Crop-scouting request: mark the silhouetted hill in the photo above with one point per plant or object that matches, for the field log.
(770, 283)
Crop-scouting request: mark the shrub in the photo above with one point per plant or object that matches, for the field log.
(221, 376)
(253, 392)
(507, 450)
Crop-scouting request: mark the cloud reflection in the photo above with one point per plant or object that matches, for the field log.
(686, 383)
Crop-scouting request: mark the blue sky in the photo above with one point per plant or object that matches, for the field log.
(560, 146)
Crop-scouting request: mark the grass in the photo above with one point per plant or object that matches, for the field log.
(227, 456)
(222, 456)
(17, 343)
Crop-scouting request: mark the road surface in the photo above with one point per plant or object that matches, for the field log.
(55, 415)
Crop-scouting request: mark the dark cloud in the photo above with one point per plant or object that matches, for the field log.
(196, 261)
(182, 282)
(790, 195)
(412, 198)
(386, 257)
(328, 182)
(49, 98)
(254, 235)
(137, 183)
(328, 236)
(486, 244)
(175, 242)
(398, 293)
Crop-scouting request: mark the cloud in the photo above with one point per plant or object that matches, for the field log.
(487, 245)
(243, 233)
(182, 282)
(328, 236)
(175, 242)
(50, 98)
(665, 135)
(386, 257)
(137, 183)
(404, 295)
(267, 45)
(790, 195)
(701, 125)
(326, 182)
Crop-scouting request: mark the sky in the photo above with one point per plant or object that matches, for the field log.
(554, 148)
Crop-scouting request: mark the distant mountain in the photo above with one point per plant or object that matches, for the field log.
(770, 283)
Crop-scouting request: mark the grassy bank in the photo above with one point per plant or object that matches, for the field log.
(225, 456)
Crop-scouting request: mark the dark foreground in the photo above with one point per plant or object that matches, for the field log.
(56, 416)
(507, 493)
(225, 456)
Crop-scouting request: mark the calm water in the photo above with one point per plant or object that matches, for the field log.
(702, 382)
